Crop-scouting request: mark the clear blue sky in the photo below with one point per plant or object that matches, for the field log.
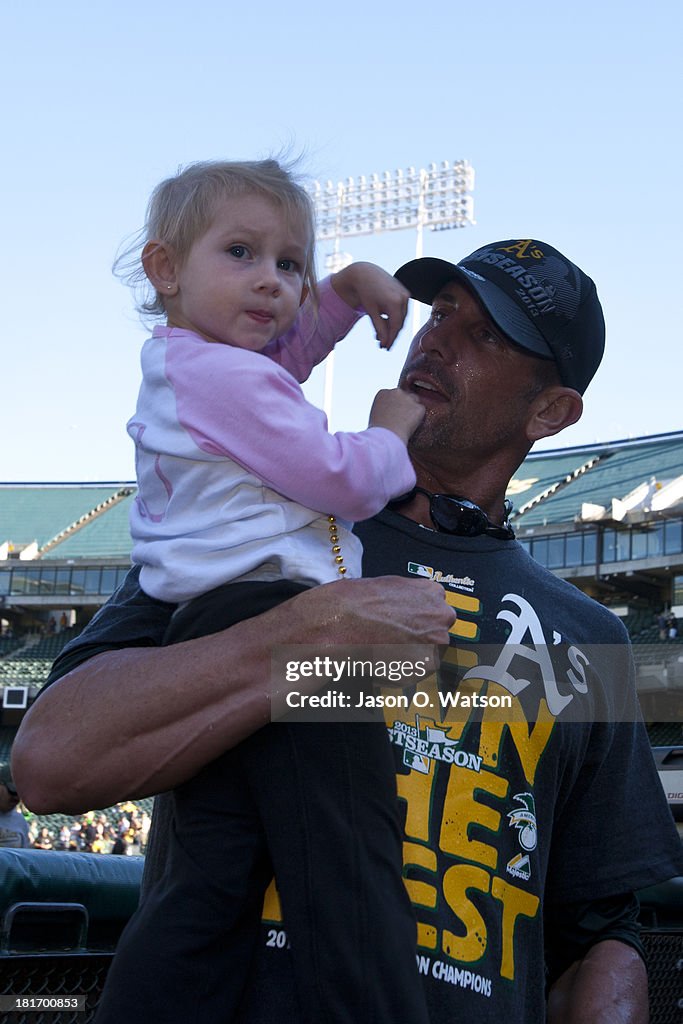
(569, 113)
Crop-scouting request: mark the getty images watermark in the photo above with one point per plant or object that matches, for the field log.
(508, 682)
(360, 683)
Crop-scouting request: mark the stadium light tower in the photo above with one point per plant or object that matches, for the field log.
(438, 197)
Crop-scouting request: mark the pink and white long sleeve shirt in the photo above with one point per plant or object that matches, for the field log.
(237, 471)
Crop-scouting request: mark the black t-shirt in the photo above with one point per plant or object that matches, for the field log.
(509, 815)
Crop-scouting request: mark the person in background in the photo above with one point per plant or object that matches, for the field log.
(14, 827)
(43, 840)
(661, 625)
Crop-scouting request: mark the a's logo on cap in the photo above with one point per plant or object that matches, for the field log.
(538, 296)
(524, 249)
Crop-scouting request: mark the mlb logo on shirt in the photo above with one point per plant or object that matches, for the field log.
(415, 569)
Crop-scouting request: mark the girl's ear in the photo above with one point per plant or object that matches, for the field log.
(160, 266)
(304, 294)
(554, 409)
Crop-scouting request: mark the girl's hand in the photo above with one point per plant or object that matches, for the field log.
(398, 411)
(383, 298)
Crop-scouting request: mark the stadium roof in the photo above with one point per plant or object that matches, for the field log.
(553, 487)
(69, 520)
(90, 520)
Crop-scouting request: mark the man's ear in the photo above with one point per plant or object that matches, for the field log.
(159, 264)
(554, 409)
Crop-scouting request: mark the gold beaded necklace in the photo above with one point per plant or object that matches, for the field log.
(336, 547)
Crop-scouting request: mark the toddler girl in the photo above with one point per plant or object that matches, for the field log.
(244, 499)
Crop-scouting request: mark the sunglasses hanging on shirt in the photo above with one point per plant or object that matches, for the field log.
(458, 516)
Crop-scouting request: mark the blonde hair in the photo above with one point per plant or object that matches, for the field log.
(181, 207)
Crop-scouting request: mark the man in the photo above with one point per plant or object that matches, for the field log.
(13, 824)
(525, 837)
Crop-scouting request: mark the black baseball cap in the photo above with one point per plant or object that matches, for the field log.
(535, 295)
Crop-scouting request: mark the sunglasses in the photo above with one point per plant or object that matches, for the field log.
(458, 516)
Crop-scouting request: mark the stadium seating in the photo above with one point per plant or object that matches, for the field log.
(55, 821)
(29, 663)
(9, 644)
(665, 734)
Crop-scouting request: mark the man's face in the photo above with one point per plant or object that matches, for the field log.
(475, 385)
(8, 801)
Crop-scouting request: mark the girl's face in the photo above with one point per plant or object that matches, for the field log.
(242, 281)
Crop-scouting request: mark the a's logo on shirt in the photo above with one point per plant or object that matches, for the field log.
(526, 648)
(523, 818)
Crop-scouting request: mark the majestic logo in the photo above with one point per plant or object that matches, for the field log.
(519, 867)
(423, 743)
(462, 582)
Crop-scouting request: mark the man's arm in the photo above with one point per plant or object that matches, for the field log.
(607, 986)
(139, 721)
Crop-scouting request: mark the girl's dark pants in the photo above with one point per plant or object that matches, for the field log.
(316, 805)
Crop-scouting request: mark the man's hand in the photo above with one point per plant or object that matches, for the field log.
(379, 610)
(398, 411)
(382, 297)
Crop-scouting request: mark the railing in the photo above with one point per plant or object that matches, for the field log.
(606, 545)
(31, 580)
